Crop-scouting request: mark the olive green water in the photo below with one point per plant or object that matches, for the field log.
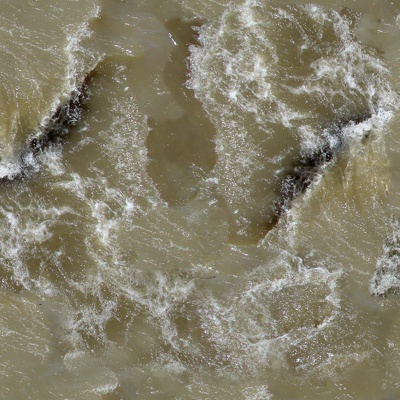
(140, 254)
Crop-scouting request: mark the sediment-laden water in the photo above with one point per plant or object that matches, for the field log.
(199, 199)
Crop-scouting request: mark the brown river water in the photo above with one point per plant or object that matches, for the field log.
(199, 199)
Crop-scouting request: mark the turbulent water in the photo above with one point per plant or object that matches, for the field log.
(199, 199)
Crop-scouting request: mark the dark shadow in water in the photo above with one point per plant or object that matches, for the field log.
(181, 151)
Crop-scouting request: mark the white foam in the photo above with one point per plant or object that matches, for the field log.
(386, 278)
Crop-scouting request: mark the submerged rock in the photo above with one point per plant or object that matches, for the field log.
(57, 126)
(310, 164)
(66, 116)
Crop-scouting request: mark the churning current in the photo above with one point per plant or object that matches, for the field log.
(199, 199)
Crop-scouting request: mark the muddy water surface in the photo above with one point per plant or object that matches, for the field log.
(150, 251)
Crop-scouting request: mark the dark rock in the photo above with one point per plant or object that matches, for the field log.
(308, 165)
(66, 116)
(58, 126)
